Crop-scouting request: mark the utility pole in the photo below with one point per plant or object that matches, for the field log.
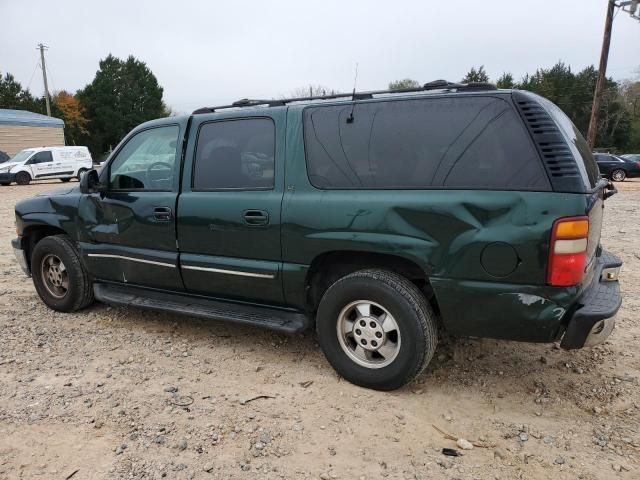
(631, 7)
(602, 70)
(44, 77)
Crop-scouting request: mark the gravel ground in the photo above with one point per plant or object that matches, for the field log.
(120, 393)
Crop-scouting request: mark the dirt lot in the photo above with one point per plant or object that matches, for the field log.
(117, 393)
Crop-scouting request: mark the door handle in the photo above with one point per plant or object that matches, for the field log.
(256, 217)
(162, 214)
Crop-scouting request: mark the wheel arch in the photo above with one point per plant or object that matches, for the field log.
(328, 267)
(33, 233)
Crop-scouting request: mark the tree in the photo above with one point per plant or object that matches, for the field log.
(506, 81)
(573, 93)
(630, 94)
(479, 75)
(312, 91)
(123, 94)
(404, 84)
(13, 96)
(72, 112)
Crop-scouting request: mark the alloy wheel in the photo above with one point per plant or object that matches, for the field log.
(368, 334)
(54, 275)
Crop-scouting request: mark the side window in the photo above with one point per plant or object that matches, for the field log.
(147, 161)
(235, 154)
(461, 142)
(41, 157)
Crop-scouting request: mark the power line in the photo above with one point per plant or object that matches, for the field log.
(32, 74)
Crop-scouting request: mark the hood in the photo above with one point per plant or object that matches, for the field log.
(57, 192)
(10, 164)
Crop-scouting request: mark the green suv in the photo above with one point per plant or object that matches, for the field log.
(377, 218)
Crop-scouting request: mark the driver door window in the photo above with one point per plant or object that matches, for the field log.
(147, 161)
(41, 157)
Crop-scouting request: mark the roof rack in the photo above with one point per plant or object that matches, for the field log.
(434, 85)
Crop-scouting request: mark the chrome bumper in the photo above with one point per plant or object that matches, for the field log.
(21, 257)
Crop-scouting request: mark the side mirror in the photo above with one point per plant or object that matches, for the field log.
(90, 182)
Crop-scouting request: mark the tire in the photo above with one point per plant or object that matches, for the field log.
(5, 184)
(65, 180)
(79, 288)
(23, 178)
(80, 172)
(618, 175)
(403, 357)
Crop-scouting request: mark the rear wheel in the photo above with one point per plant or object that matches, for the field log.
(376, 329)
(5, 184)
(59, 276)
(23, 178)
(618, 175)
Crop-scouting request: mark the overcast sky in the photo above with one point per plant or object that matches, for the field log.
(213, 52)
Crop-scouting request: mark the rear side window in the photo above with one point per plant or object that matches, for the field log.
(585, 159)
(235, 154)
(447, 142)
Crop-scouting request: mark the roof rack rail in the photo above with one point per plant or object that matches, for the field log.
(434, 85)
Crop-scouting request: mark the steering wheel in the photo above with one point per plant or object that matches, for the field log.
(152, 179)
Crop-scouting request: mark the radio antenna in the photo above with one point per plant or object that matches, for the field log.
(353, 96)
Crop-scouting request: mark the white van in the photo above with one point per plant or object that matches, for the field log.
(43, 163)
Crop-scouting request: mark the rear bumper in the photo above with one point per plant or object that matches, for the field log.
(593, 320)
(20, 254)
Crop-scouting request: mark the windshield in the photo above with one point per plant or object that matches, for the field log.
(22, 156)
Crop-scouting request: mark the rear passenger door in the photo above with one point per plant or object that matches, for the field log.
(229, 208)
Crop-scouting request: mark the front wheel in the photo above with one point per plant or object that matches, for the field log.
(23, 178)
(618, 175)
(59, 276)
(376, 329)
(80, 172)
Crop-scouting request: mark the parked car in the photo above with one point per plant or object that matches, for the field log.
(635, 157)
(617, 168)
(42, 163)
(375, 218)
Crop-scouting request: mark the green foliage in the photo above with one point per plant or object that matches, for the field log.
(573, 93)
(479, 75)
(404, 84)
(13, 96)
(506, 81)
(123, 94)
(312, 91)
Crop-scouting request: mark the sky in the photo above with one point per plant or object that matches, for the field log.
(214, 52)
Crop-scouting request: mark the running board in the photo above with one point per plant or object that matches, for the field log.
(196, 306)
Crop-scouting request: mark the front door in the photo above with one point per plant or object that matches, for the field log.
(41, 165)
(229, 208)
(129, 231)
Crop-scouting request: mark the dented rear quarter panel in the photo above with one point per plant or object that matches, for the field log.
(444, 232)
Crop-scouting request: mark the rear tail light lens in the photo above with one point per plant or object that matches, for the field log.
(568, 251)
(638, 164)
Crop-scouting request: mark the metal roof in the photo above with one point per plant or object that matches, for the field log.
(28, 119)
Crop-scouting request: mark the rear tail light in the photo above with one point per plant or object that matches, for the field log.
(568, 251)
(638, 164)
